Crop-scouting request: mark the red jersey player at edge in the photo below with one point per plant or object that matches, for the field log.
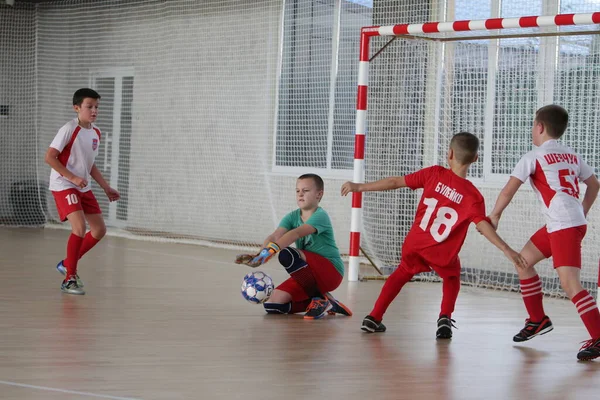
(448, 205)
(71, 156)
(554, 171)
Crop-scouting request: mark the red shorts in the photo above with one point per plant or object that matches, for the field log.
(414, 263)
(71, 200)
(563, 246)
(328, 278)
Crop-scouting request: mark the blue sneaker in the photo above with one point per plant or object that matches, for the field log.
(60, 267)
(317, 308)
(337, 307)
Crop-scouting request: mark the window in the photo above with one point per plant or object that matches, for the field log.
(524, 74)
(115, 122)
(490, 87)
(317, 87)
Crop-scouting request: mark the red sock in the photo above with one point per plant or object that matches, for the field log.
(299, 306)
(88, 242)
(390, 290)
(588, 311)
(531, 290)
(73, 246)
(450, 289)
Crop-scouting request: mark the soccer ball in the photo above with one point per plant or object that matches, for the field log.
(257, 287)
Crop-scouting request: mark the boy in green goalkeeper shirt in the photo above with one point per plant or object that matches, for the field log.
(314, 265)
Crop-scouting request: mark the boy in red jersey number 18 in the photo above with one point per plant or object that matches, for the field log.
(448, 205)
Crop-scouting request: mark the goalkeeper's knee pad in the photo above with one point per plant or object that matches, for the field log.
(291, 260)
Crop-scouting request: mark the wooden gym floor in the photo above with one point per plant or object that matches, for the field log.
(167, 321)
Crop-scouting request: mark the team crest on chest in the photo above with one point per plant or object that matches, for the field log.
(94, 144)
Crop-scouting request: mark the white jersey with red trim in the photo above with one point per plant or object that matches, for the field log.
(78, 148)
(555, 171)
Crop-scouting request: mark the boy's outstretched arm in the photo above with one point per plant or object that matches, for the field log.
(591, 193)
(273, 237)
(272, 248)
(393, 182)
(487, 230)
(504, 199)
(291, 236)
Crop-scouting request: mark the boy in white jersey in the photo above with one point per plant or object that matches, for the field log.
(71, 156)
(555, 171)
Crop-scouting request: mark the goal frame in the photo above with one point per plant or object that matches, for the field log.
(406, 30)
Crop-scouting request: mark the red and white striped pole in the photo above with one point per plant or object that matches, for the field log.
(359, 151)
(363, 84)
(488, 24)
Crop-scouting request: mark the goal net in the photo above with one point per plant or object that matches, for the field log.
(210, 110)
(187, 114)
(424, 82)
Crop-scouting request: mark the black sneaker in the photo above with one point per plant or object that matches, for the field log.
(371, 325)
(337, 307)
(533, 329)
(317, 308)
(60, 267)
(444, 327)
(589, 350)
(71, 286)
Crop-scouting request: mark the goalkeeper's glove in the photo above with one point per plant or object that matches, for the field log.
(264, 255)
(244, 258)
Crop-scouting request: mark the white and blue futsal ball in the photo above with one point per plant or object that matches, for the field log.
(257, 287)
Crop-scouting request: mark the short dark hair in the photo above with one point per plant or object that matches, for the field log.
(465, 146)
(316, 178)
(554, 118)
(84, 93)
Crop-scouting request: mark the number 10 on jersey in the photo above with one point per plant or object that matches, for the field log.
(445, 219)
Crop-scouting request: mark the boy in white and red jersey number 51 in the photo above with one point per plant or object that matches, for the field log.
(554, 171)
